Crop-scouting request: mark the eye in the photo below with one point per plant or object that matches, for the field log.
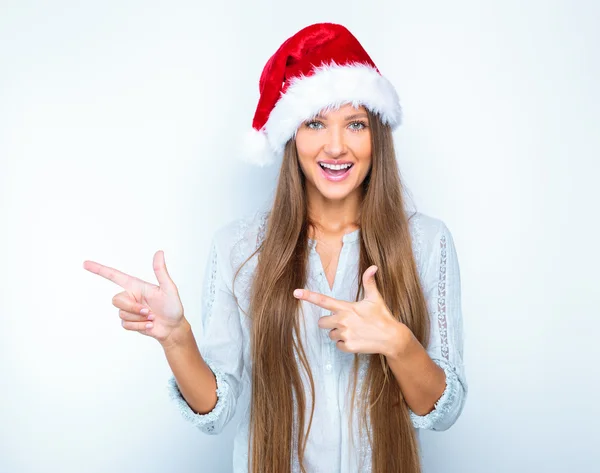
(314, 125)
(358, 125)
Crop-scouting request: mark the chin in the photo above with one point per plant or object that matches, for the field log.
(337, 194)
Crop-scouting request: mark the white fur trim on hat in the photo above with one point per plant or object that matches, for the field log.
(331, 85)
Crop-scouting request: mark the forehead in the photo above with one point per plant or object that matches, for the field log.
(341, 111)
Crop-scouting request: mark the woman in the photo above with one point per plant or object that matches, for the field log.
(336, 377)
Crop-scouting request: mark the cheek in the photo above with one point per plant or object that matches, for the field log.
(362, 149)
(366, 154)
(306, 147)
(366, 144)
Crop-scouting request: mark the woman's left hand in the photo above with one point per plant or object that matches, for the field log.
(366, 326)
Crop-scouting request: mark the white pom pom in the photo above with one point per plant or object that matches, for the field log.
(255, 149)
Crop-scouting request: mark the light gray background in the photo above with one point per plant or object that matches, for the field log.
(119, 123)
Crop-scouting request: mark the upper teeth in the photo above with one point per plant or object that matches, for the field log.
(335, 166)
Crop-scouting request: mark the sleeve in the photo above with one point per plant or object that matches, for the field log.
(220, 346)
(442, 291)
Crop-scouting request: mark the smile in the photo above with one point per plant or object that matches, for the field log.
(335, 172)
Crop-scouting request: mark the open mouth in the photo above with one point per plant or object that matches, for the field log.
(335, 172)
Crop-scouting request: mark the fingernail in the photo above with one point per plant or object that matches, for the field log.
(144, 311)
(298, 293)
(148, 325)
(150, 317)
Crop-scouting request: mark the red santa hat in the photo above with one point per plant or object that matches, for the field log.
(322, 66)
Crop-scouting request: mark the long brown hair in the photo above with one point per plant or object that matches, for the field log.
(276, 347)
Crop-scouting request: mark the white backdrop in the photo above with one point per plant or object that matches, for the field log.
(119, 122)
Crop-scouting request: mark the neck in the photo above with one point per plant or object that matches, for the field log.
(334, 217)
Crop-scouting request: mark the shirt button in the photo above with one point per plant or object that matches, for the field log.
(328, 366)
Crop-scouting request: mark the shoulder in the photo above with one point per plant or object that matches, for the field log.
(239, 237)
(249, 226)
(427, 234)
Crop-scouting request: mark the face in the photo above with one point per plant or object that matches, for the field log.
(338, 137)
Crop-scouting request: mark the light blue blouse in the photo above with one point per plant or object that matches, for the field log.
(224, 342)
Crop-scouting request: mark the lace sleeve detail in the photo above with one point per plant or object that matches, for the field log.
(442, 319)
(210, 299)
(443, 293)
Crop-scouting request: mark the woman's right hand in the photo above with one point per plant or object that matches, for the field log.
(151, 310)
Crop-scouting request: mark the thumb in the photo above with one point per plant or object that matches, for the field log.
(371, 291)
(160, 269)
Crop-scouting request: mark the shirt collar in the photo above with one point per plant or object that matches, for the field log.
(346, 238)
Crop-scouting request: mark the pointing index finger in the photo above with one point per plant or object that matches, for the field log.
(112, 274)
(321, 300)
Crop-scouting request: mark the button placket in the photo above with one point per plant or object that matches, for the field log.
(325, 289)
(326, 341)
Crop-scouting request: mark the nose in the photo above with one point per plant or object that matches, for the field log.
(335, 144)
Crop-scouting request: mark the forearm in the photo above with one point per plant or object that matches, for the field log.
(195, 379)
(421, 381)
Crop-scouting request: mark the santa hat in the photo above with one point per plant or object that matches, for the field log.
(321, 66)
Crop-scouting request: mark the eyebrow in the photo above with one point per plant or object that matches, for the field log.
(349, 117)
